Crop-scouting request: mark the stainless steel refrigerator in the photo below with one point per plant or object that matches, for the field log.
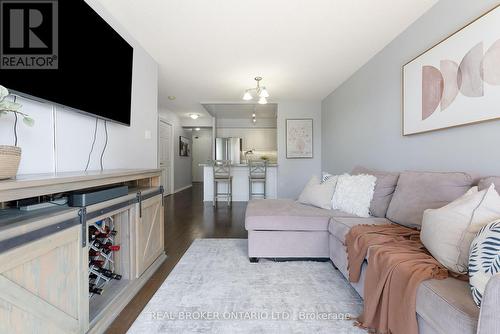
(228, 149)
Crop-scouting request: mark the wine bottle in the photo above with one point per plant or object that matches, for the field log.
(108, 273)
(94, 289)
(108, 246)
(93, 253)
(92, 276)
(94, 232)
(98, 263)
(103, 232)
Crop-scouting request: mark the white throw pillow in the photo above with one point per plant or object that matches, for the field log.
(319, 194)
(354, 194)
(484, 259)
(447, 232)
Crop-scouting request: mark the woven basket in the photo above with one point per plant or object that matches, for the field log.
(10, 156)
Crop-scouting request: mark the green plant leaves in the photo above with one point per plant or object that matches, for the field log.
(29, 121)
(13, 107)
(3, 93)
(10, 106)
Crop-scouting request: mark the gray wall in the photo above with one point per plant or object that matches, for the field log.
(361, 120)
(293, 174)
(202, 151)
(182, 165)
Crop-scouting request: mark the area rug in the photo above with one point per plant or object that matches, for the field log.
(215, 289)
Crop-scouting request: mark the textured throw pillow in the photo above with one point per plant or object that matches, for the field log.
(484, 260)
(448, 232)
(319, 194)
(354, 194)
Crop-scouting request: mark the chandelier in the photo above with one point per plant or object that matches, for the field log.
(260, 92)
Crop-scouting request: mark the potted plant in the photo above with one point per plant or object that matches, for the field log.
(10, 156)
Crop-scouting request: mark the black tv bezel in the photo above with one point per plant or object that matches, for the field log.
(68, 108)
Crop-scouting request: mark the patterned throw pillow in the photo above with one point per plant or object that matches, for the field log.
(484, 259)
(325, 176)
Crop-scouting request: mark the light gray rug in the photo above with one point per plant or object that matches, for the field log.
(215, 289)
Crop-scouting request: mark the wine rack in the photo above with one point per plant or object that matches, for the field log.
(103, 245)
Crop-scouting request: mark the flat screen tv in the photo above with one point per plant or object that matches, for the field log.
(65, 53)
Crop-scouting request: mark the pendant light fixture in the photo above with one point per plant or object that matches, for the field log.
(260, 92)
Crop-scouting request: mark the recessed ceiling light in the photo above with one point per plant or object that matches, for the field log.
(171, 97)
(196, 129)
(194, 116)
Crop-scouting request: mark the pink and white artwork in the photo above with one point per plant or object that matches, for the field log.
(299, 138)
(457, 82)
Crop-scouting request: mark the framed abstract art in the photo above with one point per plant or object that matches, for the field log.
(457, 81)
(299, 138)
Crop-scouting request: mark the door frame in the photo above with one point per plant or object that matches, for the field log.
(172, 156)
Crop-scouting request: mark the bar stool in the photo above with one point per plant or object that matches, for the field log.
(257, 173)
(222, 174)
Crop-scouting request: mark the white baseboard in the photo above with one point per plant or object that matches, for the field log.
(183, 188)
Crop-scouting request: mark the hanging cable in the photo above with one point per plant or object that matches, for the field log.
(15, 124)
(105, 143)
(93, 143)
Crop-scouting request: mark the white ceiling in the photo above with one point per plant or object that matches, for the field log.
(210, 50)
(242, 111)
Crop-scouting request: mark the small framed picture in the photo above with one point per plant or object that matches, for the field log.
(184, 147)
(299, 138)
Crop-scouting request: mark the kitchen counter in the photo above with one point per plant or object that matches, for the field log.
(239, 173)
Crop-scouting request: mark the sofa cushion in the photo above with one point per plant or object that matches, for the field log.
(287, 215)
(447, 306)
(419, 191)
(340, 226)
(384, 189)
(487, 181)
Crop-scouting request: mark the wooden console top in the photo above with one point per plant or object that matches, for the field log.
(32, 185)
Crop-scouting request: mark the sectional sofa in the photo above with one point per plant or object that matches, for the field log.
(288, 229)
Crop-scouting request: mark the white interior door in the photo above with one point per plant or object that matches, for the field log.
(165, 154)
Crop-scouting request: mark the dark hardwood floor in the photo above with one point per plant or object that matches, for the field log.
(186, 218)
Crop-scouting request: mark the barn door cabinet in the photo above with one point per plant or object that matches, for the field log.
(44, 254)
(149, 233)
(41, 285)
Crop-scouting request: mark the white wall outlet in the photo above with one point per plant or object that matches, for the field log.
(147, 134)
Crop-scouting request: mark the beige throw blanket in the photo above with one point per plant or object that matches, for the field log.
(397, 264)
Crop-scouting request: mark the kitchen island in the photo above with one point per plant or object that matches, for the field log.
(240, 182)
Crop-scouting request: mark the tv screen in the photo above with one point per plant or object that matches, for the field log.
(65, 53)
